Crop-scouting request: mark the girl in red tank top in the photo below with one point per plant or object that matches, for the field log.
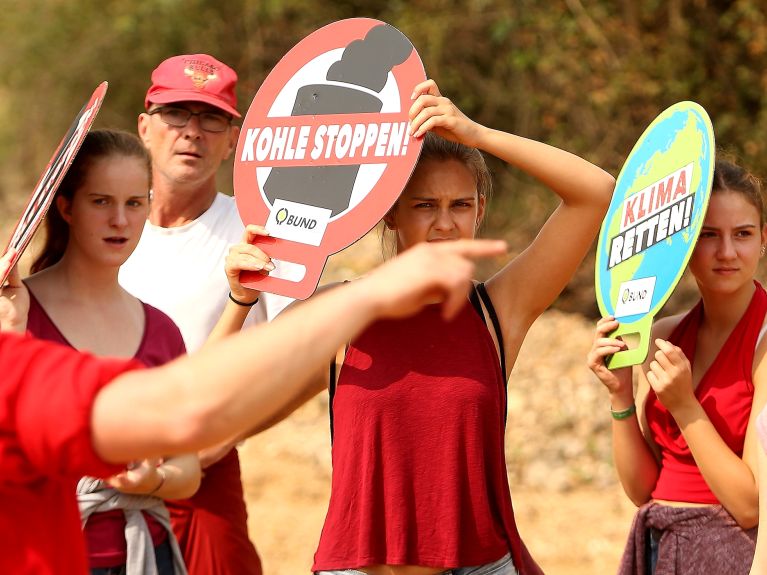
(419, 481)
(66, 413)
(92, 227)
(687, 455)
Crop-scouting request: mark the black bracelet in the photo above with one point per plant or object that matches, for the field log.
(242, 303)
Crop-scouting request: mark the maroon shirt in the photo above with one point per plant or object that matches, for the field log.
(726, 393)
(419, 472)
(161, 342)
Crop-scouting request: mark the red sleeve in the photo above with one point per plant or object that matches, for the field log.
(49, 390)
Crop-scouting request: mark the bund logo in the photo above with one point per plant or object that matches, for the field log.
(199, 73)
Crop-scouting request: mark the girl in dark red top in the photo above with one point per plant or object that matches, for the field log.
(65, 413)
(687, 454)
(92, 227)
(418, 412)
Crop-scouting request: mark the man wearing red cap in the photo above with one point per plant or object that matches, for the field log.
(178, 268)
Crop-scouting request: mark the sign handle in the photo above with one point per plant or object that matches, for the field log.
(633, 356)
(290, 278)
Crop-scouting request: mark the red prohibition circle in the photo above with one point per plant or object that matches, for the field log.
(45, 190)
(351, 224)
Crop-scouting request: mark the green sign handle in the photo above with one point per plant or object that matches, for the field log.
(638, 354)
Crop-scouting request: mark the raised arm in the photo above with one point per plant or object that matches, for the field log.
(238, 383)
(525, 287)
(244, 256)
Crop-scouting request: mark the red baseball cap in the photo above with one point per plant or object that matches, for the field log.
(194, 78)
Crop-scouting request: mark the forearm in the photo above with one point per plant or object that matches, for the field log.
(634, 461)
(231, 321)
(181, 477)
(759, 566)
(727, 475)
(316, 384)
(575, 180)
(175, 408)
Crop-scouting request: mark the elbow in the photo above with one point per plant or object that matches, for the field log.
(189, 487)
(638, 494)
(638, 499)
(746, 518)
(606, 187)
(745, 509)
(191, 426)
(192, 419)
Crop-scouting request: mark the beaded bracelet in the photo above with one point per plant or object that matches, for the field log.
(242, 303)
(624, 413)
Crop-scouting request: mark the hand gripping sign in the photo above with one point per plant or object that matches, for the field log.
(324, 150)
(46, 188)
(653, 222)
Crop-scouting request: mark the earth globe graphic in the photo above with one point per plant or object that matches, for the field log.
(680, 136)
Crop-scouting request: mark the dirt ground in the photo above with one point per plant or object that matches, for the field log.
(570, 510)
(578, 532)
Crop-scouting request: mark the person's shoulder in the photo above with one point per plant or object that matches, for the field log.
(223, 217)
(224, 205)
(158, 322)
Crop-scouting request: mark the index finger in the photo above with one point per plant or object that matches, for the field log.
(476, 248)
(668, 348)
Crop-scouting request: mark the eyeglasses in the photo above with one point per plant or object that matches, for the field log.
(179, 117)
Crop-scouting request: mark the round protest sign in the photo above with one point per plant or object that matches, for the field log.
(324, 150)
(42, 196)
(653, 222)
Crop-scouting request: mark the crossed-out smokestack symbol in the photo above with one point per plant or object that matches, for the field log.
(356, 82)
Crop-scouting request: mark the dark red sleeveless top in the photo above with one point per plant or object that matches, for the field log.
(725, 392)
(419, 472)
(162, 342)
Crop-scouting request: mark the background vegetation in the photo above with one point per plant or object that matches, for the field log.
(585, 75)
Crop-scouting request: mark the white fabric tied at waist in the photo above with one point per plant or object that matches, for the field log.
(95, 496)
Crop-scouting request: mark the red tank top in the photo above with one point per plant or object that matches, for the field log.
(161, 342)
(419, 472)
(725, 392)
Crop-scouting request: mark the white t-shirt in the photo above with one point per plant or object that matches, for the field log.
(180, 271)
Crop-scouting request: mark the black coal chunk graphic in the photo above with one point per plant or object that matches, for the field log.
(368, 62)
(364, 63)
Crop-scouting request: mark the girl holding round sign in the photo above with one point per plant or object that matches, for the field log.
(75, 300)
(686, 447)
(418, 408)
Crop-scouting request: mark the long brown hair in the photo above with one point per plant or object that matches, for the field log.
(730, 177)
(97, 144)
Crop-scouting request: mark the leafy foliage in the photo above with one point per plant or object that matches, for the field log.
(584, 76)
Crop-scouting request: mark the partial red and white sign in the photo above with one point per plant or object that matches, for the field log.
(324, 150)
(42, 196)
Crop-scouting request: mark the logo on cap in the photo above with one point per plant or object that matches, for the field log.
(198, 78)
